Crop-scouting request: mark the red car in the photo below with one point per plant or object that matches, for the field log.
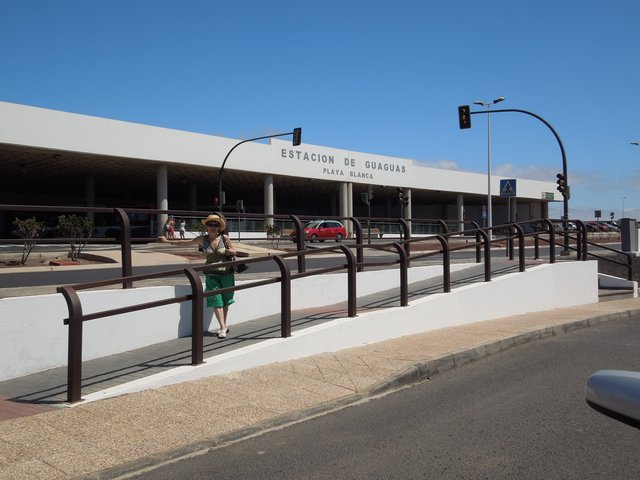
(321, 230)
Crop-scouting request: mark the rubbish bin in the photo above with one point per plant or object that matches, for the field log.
(629, 234)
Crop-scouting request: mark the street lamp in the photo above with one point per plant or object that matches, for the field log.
(297, 140)
(482, 103)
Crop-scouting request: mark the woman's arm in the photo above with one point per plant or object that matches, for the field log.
(189, 241)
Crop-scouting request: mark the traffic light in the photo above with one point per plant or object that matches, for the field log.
(464, 116)
(297, 136)
(403, 199)
(562, 183)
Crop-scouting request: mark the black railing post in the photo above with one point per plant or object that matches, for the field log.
(552, 240)
(446, 263)
(74, 354)
(406, 235)
(404, 277)
(487, 255)
(510, 233)
(536, 241)
(352, 302)
(285, 296)
(359, 241)
(197, 298)
(300, 242)
(521, 252)
(582, 242)
(478, 246)
(125, 245)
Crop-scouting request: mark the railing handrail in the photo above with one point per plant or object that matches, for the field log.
(542, 228)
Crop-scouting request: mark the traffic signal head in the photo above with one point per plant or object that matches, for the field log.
(562, 183)
(464, 116)
(400, 196)
(297, 136)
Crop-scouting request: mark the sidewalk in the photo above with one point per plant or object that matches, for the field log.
(127, 433)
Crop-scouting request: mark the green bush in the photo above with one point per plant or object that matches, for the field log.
(29, 229)
(273, 233)
(79, 229)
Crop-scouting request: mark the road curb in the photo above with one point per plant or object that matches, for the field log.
(411, 375)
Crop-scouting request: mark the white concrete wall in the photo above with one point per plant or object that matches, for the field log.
(34, 337)
(540, 288)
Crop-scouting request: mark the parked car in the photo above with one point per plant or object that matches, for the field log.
(596, 227)
(615, 393)
(321, 230)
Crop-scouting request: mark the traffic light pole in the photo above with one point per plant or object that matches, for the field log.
(297, 134)
(566, 195)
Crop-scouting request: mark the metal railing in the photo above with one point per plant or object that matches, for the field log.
(541, 230)
(197, 295)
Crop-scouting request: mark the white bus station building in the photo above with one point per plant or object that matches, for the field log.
(50, 157)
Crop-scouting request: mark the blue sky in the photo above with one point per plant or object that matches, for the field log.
(375, 76)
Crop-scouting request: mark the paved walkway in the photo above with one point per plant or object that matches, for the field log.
(111, 437)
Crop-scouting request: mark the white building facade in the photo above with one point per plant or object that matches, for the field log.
(50, 157)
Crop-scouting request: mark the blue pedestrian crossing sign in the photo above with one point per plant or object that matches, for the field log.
(508, 187)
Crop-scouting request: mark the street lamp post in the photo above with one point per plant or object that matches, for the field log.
(489, 209)
(297, 140)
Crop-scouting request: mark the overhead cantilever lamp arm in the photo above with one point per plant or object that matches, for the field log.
(232, 149)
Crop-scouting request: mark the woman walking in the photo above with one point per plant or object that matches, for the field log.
(216, 246)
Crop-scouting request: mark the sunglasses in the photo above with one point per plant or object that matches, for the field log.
(213, 224)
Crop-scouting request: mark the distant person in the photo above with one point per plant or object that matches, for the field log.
(216, 246)
(183, 228)
(171, 228)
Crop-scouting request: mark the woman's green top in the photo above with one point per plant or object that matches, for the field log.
(215, 254)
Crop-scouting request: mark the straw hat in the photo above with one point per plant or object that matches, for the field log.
(215, 218)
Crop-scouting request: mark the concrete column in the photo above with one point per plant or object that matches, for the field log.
(460, 211)
(90, 195)
(193, 196)
(343, 201)
(349, 209)
(269, 201)
(162, 196)
(544, 209)
(407, 209)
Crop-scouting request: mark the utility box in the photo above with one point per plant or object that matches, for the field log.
(629, 234)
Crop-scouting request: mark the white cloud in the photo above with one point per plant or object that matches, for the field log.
(444, 164)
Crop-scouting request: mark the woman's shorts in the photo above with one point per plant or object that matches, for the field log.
(216, 282)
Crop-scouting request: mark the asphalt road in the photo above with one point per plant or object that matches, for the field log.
(518, 414)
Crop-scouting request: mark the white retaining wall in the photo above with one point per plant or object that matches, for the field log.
(34, 337)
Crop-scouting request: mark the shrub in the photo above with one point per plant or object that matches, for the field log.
(273, 233)
(29, 229)
(79, 229)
